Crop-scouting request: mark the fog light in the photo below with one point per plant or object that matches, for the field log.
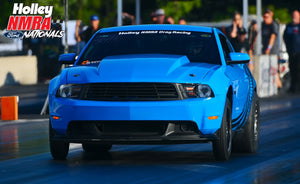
(184, 127)
(187, 127)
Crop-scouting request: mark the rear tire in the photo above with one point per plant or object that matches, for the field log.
(59, 149)
(223, 146)
(96, 147)
(247, 141)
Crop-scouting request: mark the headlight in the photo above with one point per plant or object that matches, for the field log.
(196, 91)
(69, 91)
(204, 91)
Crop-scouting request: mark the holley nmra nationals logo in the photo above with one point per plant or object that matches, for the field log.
(28, 22)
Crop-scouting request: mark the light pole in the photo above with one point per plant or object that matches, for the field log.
(120, 11)
(138, 11)
(66, 48)
(258, 20)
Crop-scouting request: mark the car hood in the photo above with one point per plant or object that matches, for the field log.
(141, 68)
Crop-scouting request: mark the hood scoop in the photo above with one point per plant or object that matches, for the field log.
(140, 67)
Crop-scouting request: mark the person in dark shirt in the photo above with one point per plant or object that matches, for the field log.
(252, 38)
(128, 19)
(243, 43)
(90, 31)
(252, 34)
(243, 46)
(270, 30)
(291, 38)
(233, 31)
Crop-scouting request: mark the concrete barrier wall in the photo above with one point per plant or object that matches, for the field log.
(265, 71)
(18, 69)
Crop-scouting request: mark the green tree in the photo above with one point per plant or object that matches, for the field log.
(280, 14)
(78, 9)
(192, 10)
(177, 9)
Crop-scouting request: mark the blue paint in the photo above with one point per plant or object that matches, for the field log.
(156, 68)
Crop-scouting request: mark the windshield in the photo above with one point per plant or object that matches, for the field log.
(197, 46)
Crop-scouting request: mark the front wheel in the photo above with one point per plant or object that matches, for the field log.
(247, 140)
(222, 147)
(59, 149)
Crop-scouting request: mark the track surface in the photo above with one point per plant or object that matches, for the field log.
(25, 157)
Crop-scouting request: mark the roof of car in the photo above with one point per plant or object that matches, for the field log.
(158, 27)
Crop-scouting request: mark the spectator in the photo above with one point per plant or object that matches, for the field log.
(160, 16)
(252, 38)
(90, 31)
(80, 27)
(182, 21)
(170, 20)
(291, 38)
(233, 30)
(252, 34)
(243, 46)
(270, 31)
(128, 19)
(153, 18)
(243, 43)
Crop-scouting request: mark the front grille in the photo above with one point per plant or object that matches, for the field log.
(130, 92)
(94, 129)
(122, 129)
(134, 128)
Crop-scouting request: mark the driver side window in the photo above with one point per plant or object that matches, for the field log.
(226, 48)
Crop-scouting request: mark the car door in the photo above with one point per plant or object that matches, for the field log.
(239, 76)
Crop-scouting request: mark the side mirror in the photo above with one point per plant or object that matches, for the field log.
(68, 59)
(238, 58)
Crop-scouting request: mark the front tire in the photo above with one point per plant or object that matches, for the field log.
(59, 149)
(247, 141)
(223, 146)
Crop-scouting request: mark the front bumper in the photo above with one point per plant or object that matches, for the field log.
(133, 132)
(194, 110)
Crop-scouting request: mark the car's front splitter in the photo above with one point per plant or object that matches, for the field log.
(206, 113)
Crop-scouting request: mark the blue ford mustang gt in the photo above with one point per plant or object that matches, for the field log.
(155, 84)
